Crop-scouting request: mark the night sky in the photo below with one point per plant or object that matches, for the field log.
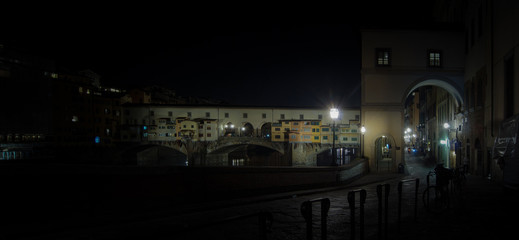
(242, 61)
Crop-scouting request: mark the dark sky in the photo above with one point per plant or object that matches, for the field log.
(241, 60)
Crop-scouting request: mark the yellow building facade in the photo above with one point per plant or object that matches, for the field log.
(312, 131)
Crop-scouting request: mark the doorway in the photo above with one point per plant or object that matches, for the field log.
(384, 154)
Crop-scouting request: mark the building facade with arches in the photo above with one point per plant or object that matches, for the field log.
(396, 63)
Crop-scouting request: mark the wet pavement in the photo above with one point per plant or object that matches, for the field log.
(482, 210)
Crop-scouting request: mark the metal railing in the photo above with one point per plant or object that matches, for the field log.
(306, 211)
(351, 202)
(400, 188)
(383, 210)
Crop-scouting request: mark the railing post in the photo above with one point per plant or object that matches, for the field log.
(386, 208)
(417, 184)
(306, 211)
(351, 202)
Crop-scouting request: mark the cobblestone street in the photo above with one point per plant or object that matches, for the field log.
(482, 211)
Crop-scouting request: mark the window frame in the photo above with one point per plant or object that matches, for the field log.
(434, 62)
(389, 57)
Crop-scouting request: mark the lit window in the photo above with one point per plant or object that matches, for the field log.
(383, 56)
(434, 58)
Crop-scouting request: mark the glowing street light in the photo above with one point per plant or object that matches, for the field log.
(446, 125)
(334, 113)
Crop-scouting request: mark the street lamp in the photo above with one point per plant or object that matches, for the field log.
(334, 114)
(362, 130)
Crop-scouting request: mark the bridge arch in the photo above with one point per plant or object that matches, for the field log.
(154, 155)
(236, 141)
(247, 154)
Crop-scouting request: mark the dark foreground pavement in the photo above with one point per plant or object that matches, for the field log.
(486, 211)
(483, 210)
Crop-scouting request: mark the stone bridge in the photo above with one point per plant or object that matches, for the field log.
(255, 151)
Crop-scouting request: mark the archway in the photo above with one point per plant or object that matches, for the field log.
(448, 85)
(266, 130)
(247, 130)
(432, 119)
(229, 130)
(387, 116)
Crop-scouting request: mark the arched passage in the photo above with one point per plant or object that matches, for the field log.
(266, 130)
(386, 115)
(247, 130)
(432, 110)
(229, 130)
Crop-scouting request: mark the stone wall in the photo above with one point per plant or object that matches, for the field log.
(85, 187)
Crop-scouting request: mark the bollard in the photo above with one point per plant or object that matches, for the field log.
(351, 202)
(417, 182)
(306, 211)
(386, 208)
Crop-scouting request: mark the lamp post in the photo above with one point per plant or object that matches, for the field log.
(362, 130)
(334, 114)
